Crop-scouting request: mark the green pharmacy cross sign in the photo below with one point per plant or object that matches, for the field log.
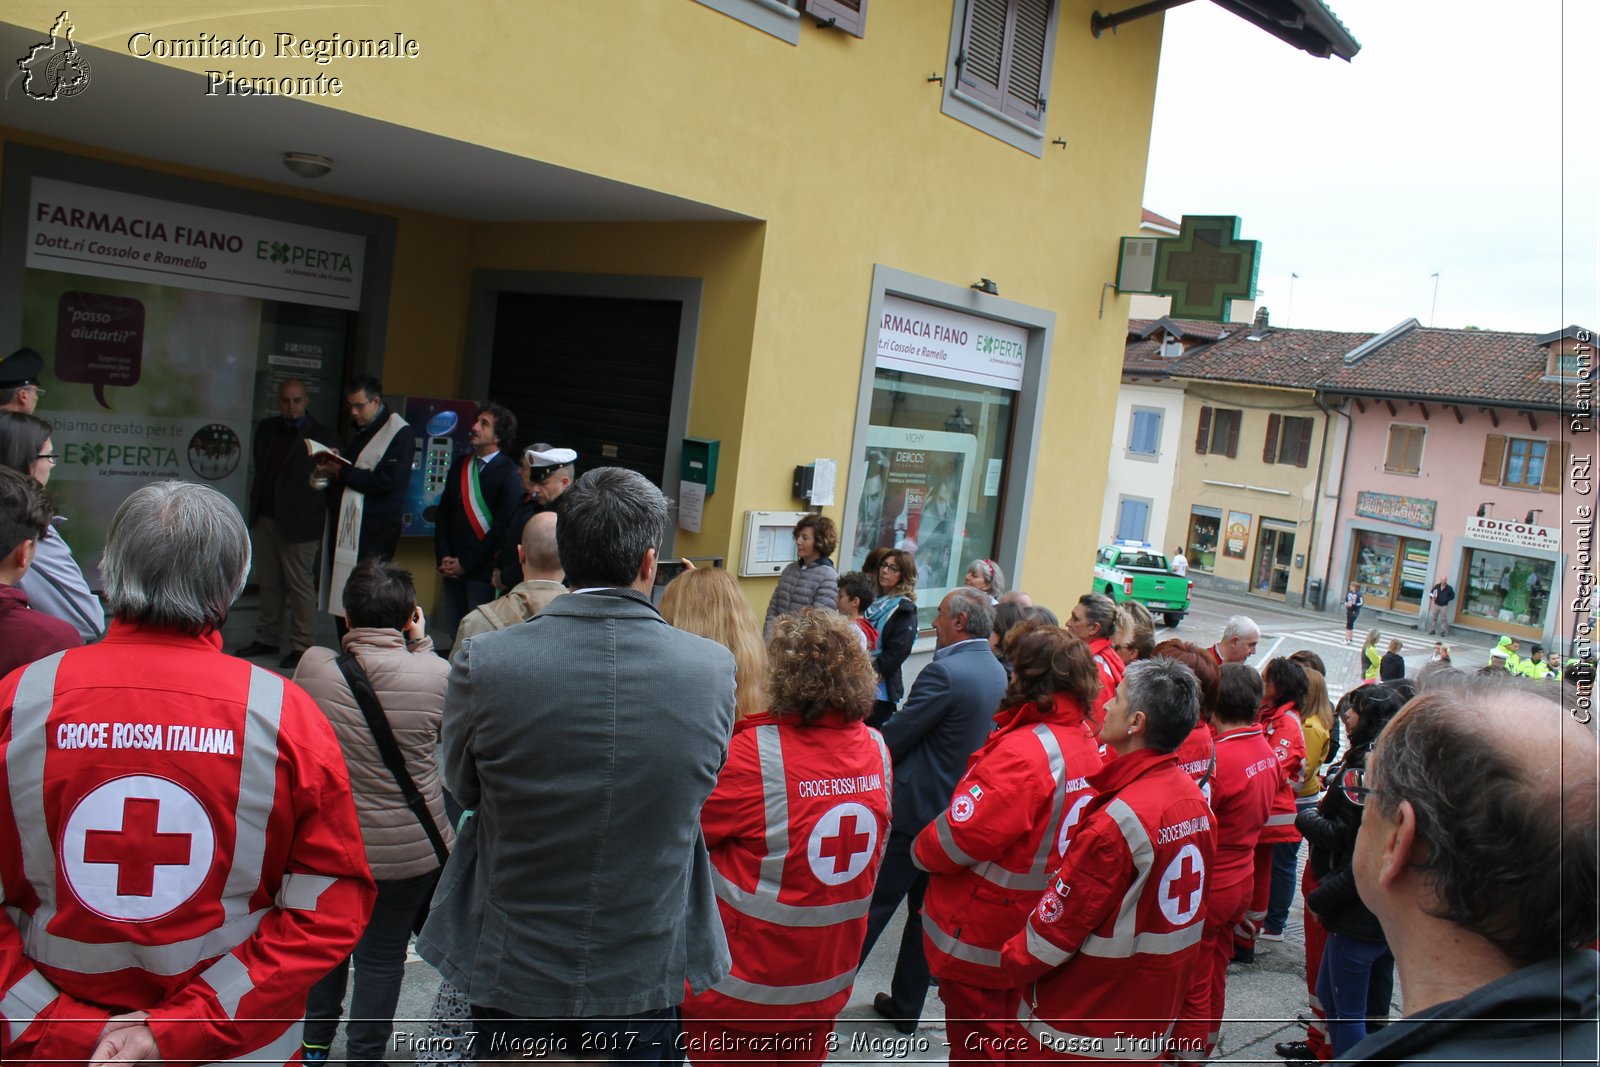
(1204, 269)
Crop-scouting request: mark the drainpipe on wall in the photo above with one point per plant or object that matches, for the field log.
(1316, 502)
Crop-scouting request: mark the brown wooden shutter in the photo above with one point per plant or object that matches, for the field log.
(847, 15)
(1269, 454)
(1414, 450)
(1232, 448)
(1555, 466)
(1308, 429)
(1494, 459)
(1026, 61)
(981, 65)
(1203, 438)
(1393, 456)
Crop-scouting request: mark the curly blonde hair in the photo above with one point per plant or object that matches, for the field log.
(817, 665)
(707, 601)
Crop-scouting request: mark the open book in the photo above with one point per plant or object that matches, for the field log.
(317, 450)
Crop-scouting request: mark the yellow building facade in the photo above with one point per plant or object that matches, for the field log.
(813, 208)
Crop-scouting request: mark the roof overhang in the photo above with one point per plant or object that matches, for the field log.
(1309, 25)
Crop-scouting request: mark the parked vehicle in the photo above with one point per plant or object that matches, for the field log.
(1136, 570)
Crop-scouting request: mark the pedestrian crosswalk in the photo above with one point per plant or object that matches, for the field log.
(1345, 663)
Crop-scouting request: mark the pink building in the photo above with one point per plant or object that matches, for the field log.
(1469, 457)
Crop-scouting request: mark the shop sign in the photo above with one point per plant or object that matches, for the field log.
(84, 230)
(1520, 534)
(924, 339)
(1403, 510)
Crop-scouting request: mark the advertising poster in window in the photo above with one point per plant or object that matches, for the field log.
(915, 495)
(1237, 535)
(157, 324)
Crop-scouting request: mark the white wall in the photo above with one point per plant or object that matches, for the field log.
(1151, 479)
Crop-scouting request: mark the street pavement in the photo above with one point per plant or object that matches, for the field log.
(1265, 999)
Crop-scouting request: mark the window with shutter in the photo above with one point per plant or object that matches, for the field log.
(1293, 440)
(1133, 519)
(1404, 454)
(847, 15)
(998, 75)
(1494, 459)
(1144, 432)
(1225, 432)
(1269, 453)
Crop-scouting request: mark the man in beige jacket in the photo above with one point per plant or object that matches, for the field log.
(541, 583)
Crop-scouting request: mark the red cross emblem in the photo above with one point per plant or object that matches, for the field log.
(842, 847)
(1182, 886)
(138, 848)
(842, 843)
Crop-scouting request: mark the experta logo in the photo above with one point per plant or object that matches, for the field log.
(55, 69)
(320, 260)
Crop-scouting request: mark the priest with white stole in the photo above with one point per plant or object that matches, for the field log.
(367, 485)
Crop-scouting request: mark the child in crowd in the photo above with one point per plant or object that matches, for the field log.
(856, 594)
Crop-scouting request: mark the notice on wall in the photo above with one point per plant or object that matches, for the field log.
(691, 506)
(102, 233)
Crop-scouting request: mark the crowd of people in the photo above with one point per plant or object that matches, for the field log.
(627, 832)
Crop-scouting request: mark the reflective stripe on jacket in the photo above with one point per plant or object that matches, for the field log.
(1106, 953)
(181, 840)
(992, 851)
(796, 827)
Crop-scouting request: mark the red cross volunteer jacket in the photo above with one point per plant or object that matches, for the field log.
(1242, 791)
(1281, 727)
(992, 851)
(1107, 950)
(177, 836)
(796, 827)
(1111, 671)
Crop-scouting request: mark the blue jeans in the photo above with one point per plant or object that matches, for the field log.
(380, 958)
(1343, 981)
(1284, 857)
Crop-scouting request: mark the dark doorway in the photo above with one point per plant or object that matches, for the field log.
(594, 374)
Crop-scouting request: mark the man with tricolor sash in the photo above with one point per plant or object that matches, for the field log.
(480, 491)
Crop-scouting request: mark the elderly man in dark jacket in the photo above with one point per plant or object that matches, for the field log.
(286, 521)
(944, 720)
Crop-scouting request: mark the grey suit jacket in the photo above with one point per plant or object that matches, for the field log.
(948, 714)
(587, 739)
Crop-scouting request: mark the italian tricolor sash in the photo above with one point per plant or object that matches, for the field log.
(472, 501)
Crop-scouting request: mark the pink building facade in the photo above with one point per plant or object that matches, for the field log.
(1496, 497)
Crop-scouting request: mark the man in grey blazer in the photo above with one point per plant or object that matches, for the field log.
(587, 739)
(944, 720)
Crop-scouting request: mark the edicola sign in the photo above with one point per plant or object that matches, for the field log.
(1521, 534)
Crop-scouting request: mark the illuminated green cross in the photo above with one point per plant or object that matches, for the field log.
(1206, 267)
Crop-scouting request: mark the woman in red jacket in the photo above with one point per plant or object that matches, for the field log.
(1284, 684)
(992, 851)
(796, 827)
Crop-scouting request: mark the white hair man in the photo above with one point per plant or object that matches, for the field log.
(186, 859)
(1240, 635)
(1477, 855)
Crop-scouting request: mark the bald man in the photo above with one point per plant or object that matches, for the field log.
(286, 520)
(541, 582)
(1477, 854)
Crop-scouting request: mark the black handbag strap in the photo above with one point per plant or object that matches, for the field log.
(361, 688)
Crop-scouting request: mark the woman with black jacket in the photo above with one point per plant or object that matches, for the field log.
(894, 615)
(1356, 947)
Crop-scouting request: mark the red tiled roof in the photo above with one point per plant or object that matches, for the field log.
(1157, 220)
(1488, 367)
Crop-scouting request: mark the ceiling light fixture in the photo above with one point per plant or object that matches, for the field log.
(306, 165)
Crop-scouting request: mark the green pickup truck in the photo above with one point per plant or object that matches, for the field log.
(1130, 570)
